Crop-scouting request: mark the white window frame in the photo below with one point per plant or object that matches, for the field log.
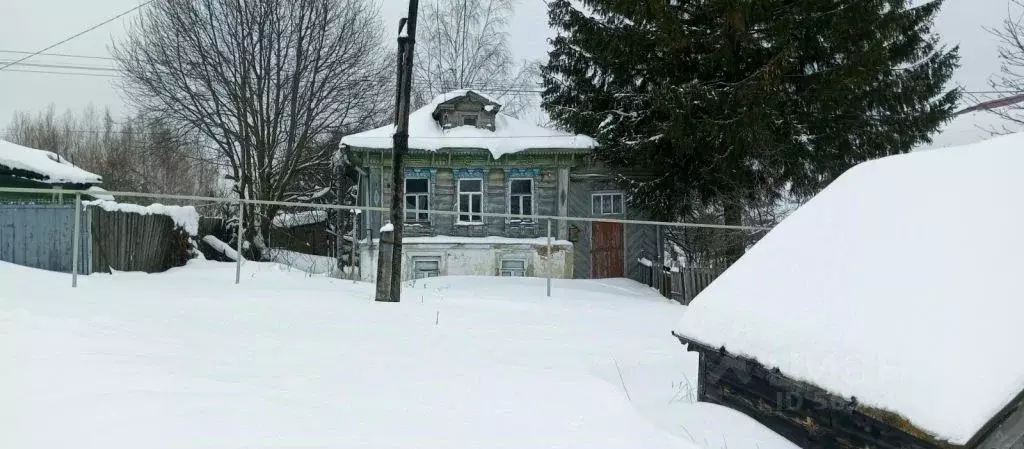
(599, 210)
(421, 217)
(458, 202)
(533, 201)
(416, 273)
(502, 271)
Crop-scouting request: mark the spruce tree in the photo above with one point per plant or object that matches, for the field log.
(728, 103)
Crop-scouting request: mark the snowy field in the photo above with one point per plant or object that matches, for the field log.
(186, 359)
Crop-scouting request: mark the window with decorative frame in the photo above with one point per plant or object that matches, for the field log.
(607, 204)
(520, 198)
(417, 198)
(513, 268)
(470, 200)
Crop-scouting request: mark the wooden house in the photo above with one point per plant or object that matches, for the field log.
(467, 157)
(887, 312)
(25, 167)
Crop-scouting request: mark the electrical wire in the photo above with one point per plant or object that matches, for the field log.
(80, 33)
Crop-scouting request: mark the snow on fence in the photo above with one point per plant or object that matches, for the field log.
(129, 237)
(680, 284)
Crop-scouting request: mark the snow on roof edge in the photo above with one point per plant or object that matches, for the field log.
(510, 136)
(56, 169)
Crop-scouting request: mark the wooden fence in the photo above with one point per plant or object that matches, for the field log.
(680, 284)
(126, 241)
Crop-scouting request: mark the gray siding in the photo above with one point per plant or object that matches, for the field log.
(443, 196)
(1010, 433)
(40, 236)
(639, 240)
(579, 206)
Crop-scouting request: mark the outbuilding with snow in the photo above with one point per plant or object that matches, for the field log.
(887, 312)
(25, 167)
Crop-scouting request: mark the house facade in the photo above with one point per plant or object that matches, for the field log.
(468, 159)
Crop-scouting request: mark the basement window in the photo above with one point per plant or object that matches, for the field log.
(513, 268)
(426, 267)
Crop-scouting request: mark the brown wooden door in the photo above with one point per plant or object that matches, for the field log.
(606, 251)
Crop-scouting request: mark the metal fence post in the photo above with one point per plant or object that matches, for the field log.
(549, 258)
(353, 252)
(75, 240)
(238, 256)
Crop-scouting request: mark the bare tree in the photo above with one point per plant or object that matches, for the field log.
(265, 82)
(1010, 79)
(464, 45)
(139, 154)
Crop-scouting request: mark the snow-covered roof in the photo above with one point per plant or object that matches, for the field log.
(288, 220)
(899, 284)
(51, 168)
(510, 134)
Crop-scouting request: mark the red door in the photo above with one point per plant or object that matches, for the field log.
(606, 254)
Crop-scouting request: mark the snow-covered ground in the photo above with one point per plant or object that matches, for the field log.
(187, 359)
(308, 263)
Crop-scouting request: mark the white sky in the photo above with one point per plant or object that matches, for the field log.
(29, 26)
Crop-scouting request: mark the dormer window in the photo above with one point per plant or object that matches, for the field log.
(465, 108)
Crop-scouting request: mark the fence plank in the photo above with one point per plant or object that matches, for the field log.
(125, 241)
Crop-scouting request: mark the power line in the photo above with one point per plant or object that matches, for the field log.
(125, 13)
(64, 66)
(49, 72)
(61, 55)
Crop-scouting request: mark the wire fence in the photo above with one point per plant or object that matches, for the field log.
(337, 240)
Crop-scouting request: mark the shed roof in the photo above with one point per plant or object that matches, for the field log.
(899, 284)
(42, 166)
(510, 134)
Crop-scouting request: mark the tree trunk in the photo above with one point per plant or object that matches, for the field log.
(735, 242)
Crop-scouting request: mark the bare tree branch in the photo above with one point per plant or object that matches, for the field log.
(265, 82)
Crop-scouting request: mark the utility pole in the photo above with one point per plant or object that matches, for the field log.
(389, 284)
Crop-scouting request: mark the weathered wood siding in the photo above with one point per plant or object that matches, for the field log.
(41, 236)
(125, 241)
(804, 414)
(1009, 434)
(444, 196)
(639, 240)
(579, 206)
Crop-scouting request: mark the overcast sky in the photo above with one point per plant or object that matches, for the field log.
(29, 26)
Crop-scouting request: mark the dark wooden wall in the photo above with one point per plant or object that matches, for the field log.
(808, 416)
(125, 241)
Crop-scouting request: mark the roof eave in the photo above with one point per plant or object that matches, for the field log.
(695, 345)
